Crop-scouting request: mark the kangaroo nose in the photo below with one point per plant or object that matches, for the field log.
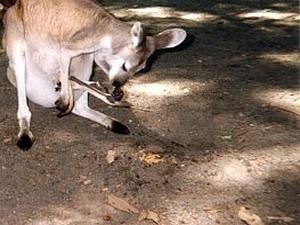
(119, 80)
(117, 83)
(117, 94)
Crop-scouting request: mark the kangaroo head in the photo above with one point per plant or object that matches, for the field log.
(133, 55)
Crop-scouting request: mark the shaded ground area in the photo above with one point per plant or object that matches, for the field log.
(215, 128)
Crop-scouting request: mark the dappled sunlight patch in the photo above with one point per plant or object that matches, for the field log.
(162, 98)
(64, 216)
(234, 171)
(247, 170)
(289, 21)
(280, 5)
(166, 88)
(164, 12)
(81, 211)
(178, 213)
(65, 136)
(278, 18)
(286, 100)
(285, 58)
(266, 14)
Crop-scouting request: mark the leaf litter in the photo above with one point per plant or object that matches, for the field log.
(125, 206)
(248, 217)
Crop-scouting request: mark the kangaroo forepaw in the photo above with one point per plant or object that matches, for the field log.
(65, 107)
(117, 94)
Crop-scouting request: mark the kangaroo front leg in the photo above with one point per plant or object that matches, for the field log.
(16, 54)
(87, 86)
(81, 108)
(65, 102)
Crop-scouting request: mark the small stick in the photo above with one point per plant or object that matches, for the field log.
(139, 109)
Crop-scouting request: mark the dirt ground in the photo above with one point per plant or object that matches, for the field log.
(215, 127)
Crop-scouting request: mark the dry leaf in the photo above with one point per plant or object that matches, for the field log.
(285, 219)
(110, 157)
(104, 189)
(121, 204)
(151, 158)
(249, 218)
(7, 140)
(226, 137)
(143, 215)
(95, 125)
(87, 182)
(153, 216)
(149, 215)
(106, 217)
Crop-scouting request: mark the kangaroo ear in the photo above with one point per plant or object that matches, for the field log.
(137, 34)
(170, 38)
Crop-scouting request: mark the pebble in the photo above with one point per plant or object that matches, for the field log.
(87, 182)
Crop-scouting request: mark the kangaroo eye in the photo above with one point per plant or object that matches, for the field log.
(124, 67)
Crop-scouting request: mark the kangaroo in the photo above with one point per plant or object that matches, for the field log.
(51, 47)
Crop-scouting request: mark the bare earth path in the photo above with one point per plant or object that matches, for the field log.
(216, 129)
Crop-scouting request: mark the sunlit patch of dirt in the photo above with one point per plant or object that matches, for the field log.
(291, 59)
(164, 13)
(287, 100)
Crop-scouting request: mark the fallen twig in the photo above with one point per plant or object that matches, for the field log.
(285, 219)
(139, 109)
